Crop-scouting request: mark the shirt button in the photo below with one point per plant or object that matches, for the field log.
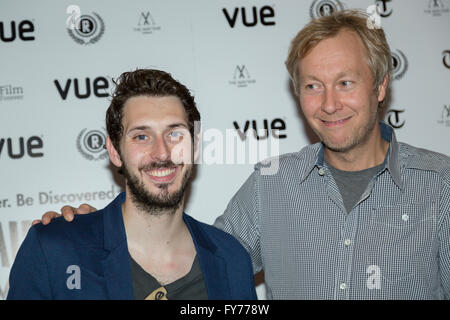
(405, 217)
(347, 242)
(343, 286)
(321, 172)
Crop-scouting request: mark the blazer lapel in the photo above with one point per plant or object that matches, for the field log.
(212, 264)
(116, 266)
(117, 273)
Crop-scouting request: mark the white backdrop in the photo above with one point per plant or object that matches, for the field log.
(53, 83)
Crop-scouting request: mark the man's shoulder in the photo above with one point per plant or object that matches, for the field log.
(85, 229)
(298, 161)
(424, 159)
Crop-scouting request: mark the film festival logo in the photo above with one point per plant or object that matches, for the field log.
(84, 29)
(241, 77)
(399, 64)
(322, 8)
(146, 24)
(91, 144)
(445, 116)
(9, 92)
(436, 8)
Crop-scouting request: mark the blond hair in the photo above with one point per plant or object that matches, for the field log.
(379, 57)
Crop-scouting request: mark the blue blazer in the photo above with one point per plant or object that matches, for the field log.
(96, 243)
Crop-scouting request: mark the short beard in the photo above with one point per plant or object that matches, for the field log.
(153, 204)
(357, 140)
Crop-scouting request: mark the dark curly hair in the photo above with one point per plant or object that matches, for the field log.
(147, 82)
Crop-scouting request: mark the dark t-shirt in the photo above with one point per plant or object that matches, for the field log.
(189, 287)
(352, 184)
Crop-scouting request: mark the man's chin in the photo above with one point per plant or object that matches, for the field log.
(335, 145)
(157, 199)
(157, 204)
(341, 148)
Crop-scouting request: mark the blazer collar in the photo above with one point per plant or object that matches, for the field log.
(213, 265)
(116, 266)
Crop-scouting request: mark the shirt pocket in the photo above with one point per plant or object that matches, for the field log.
(405, 217)
(403, 242)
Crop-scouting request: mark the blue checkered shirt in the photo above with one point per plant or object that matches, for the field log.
(393, 244)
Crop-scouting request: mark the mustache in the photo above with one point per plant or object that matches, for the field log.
(158, 165)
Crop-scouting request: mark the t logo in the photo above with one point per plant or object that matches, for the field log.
(446, 58)
(394, 118)
(383, 9)
(74, 280)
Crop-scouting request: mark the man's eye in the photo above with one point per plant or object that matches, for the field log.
(141, 137)
(346, 83)
(312, 88)
(175, 135)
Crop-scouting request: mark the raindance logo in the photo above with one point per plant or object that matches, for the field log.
(146, 24)
(91, 144)
(88, 29)
(321, 8)
(393, 118)
(241, 77)
(446, 58)
(8, 92)
(445, 116)
(436, 8)
(399, 64)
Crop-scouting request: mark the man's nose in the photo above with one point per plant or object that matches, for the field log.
(160, 149)
(331, 102)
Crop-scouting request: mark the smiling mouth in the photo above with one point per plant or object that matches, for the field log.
(162, 174)
(335, 123)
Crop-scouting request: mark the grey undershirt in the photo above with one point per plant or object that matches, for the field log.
(352, 184)
(189, 287)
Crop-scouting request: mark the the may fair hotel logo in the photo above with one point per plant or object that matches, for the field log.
(146, 24)
(445, 116)
(241, 77)
(437, 8)
(84, 29)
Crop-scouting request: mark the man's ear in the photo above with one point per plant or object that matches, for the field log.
(382, 89)
(114, 155)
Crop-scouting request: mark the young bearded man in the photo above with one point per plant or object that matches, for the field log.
(142, 245)
(357, 215)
